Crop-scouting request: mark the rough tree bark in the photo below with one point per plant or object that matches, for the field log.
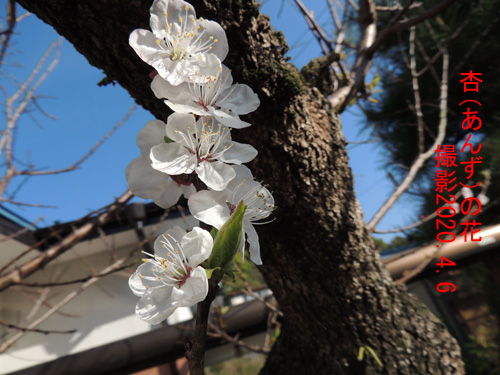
(319, 259)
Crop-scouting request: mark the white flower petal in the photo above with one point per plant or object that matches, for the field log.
(165, 90)
(180, 127)
(144, 279)
(194, 290)
(169, 236)
(156, 305)
(187, 108)
(253, 242)
(174, 9)
(209, 207)
(215, 174)
(187, 190)
(143, 180)
(241, 101)
(144, 44)
(197, 246)
(239, 153)
(229, 119)
(220, 48)
(172, 158)
(206, 66)
(170, 194)
(152, 134)
(243, 173)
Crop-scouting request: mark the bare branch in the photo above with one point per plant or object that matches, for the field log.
(26, 329)
(399, 26)
(66, 243)
(76, 281)
(316, 29)
(11, 24)
(397, 8)
(414, 225)
(416, 92)
(422, 157)
(18, 203)
(87, 155)
(22, 231)
(235, 340)
(11, 341)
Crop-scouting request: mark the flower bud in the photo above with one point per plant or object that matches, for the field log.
(228, 240)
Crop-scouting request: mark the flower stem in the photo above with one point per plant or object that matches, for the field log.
(195, 351)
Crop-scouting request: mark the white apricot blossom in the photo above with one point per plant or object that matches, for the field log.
(215, 207)
(180, 46)
(146, 182)
(217, 97)
(202, 146)
(172, 277)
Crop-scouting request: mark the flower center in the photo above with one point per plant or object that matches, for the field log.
(213, 90)
(231, 207)
(208, 142)
(183, 179)
(186, 38)
(183, 279)
(173, 270)
(258, 199)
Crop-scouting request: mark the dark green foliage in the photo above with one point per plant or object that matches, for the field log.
(469, 32)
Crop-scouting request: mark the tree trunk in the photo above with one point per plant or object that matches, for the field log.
(319, 259)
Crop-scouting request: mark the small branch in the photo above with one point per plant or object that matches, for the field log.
(18, 203)
(414, 225)
(316, 29)
(237, 343)
(416, 92)
(66, 243)
(8, 343)
(87, 155)
(400, 26)
(76, 281)
(21, 231)
(423, 157)
(25, 329)
(397, 8)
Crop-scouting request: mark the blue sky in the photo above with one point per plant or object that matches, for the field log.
(85, 112)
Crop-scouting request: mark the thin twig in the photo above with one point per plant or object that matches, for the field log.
(422, 157)
(26, 329)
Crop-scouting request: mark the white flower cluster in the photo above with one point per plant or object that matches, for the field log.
(187, 54)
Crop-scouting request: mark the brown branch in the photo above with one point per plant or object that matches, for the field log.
(316, 29)
(76, 281)
(8, 343)
(26, 329)
(237, 343)
(416, 92)
(33, 247)
(422, 157)
(11, 24)
(18, 203)
(405, 25)
(66, 243)
(87, 155)
(21, 231)
(414, 225)
(195, 351)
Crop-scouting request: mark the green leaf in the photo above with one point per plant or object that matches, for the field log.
(228, 239)
(167, 140)
(214, 232)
